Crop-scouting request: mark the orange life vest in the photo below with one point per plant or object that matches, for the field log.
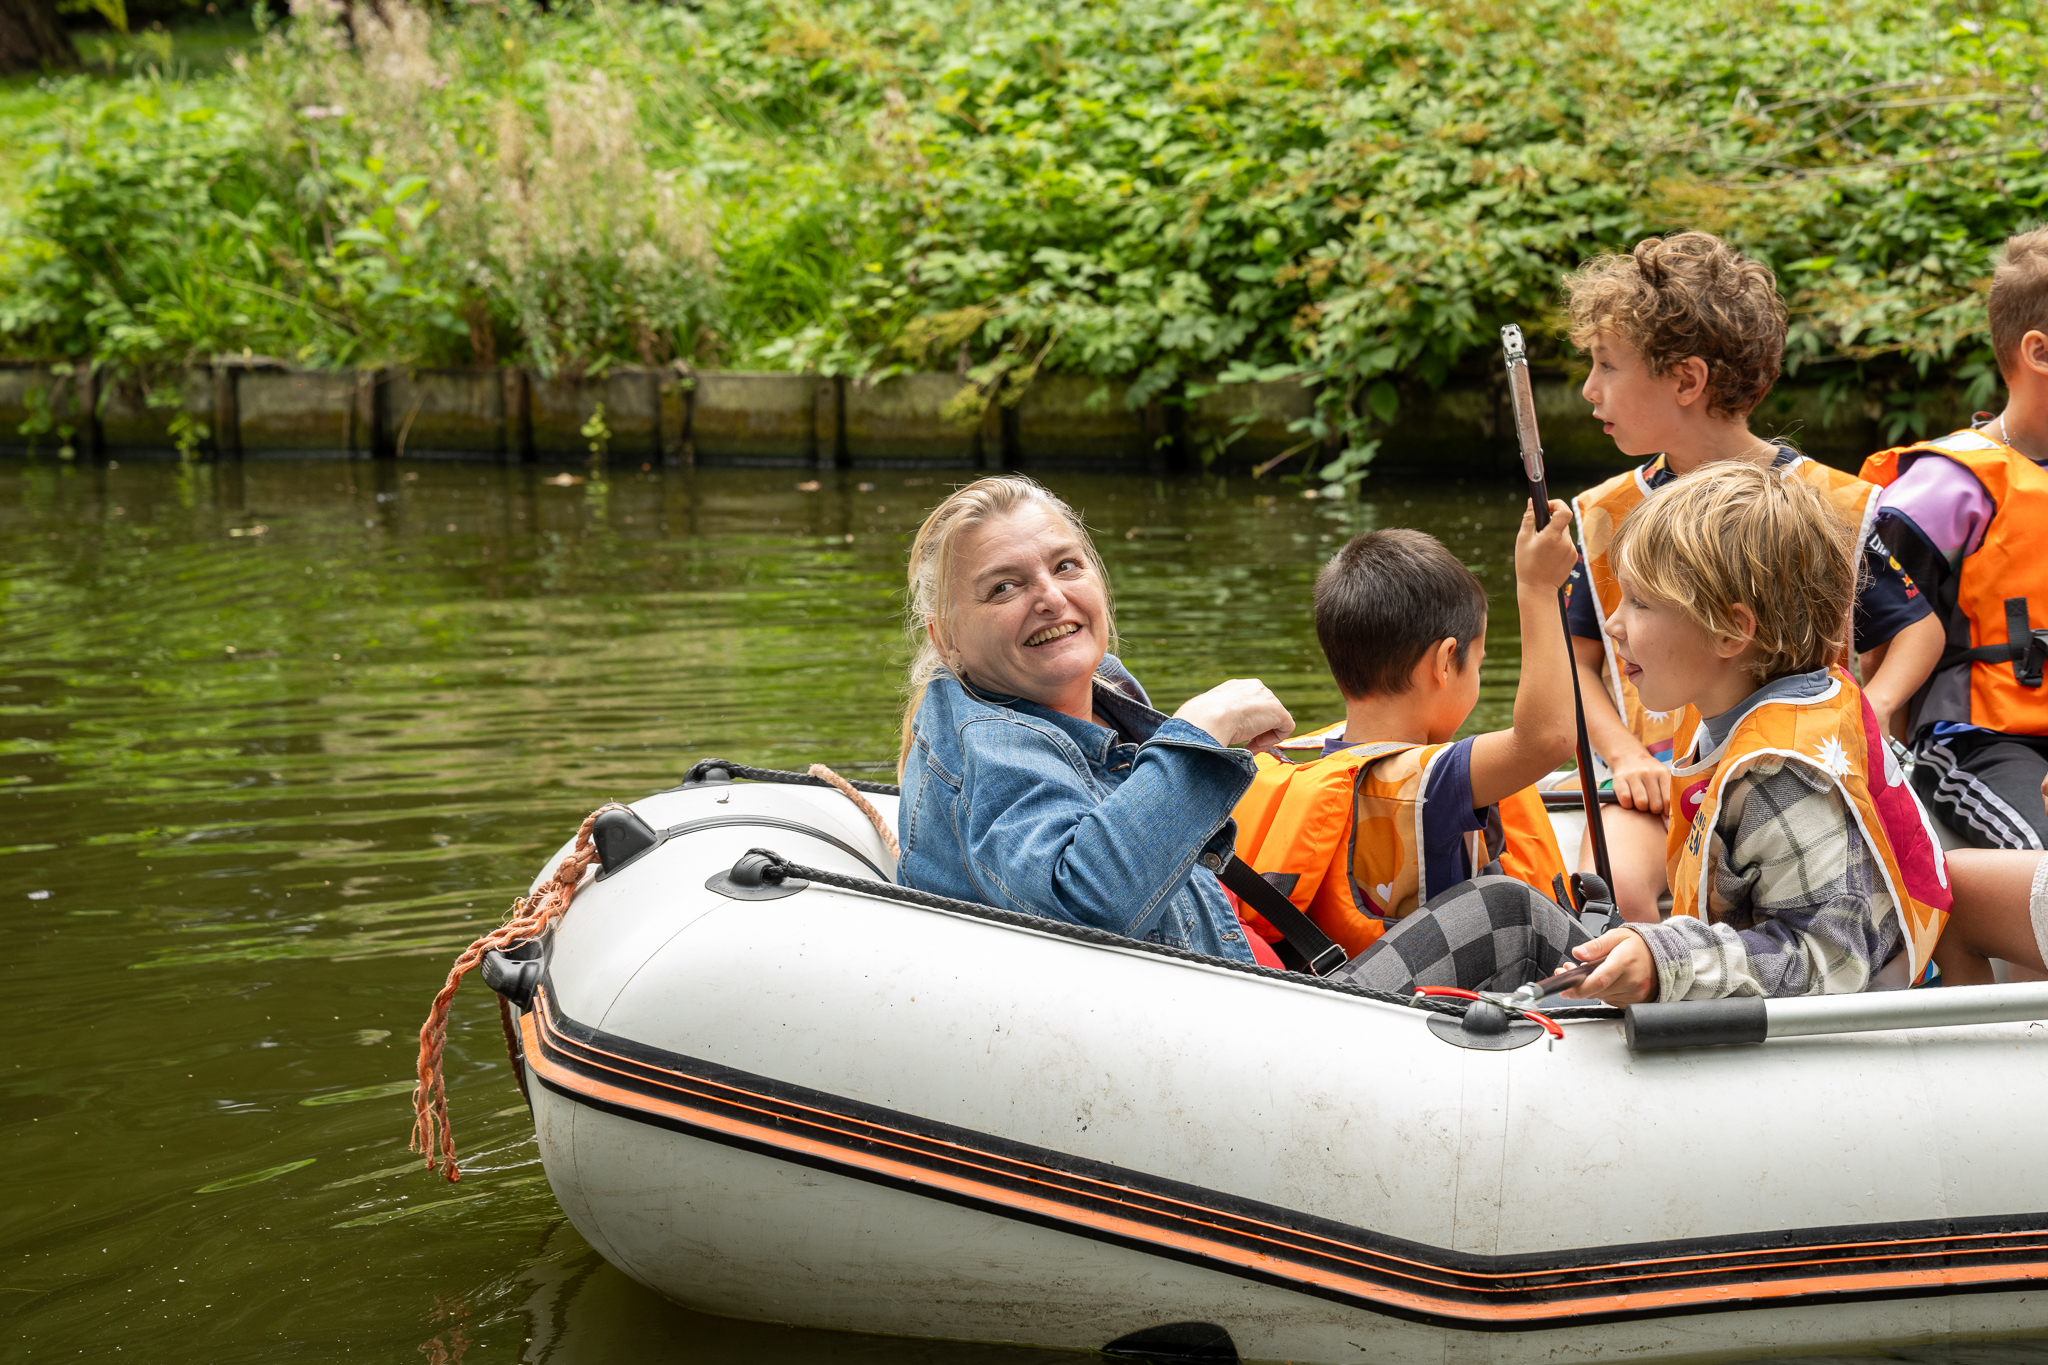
(1599, 511)
(1836, 734)
(1998, 595)
(1341, 836)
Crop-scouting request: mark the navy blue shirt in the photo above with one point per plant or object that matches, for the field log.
(1887, 600)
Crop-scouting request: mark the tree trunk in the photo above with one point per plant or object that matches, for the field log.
(32, 38)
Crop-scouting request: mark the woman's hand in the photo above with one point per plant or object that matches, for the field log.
(1240, 714)
(1640, 781)
(1627, 974)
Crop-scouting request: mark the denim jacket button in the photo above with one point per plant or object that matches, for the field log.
(1212, 862)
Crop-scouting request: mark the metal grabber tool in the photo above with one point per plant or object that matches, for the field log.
(1590, 897)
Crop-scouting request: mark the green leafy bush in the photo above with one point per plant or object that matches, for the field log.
(1175, 192)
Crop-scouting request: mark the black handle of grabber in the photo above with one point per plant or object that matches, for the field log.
(1524, 399)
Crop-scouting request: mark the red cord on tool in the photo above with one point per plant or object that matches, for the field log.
(1550, 1025)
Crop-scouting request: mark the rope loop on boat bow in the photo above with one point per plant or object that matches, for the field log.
(432, 1136)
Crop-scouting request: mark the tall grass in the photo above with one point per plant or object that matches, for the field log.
(1167, 190)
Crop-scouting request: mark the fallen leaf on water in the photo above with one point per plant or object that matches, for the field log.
(235, 1182)
(566, 480)
(247, 530)
(368, 1092)
(409, 1210)
(809, 486)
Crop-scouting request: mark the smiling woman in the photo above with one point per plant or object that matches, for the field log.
(1036, 774)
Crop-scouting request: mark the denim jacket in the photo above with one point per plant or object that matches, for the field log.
(1012, 804)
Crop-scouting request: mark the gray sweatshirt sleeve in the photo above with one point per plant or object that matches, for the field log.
(1799, 901)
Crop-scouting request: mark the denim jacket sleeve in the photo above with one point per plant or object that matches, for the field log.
(1040, 838)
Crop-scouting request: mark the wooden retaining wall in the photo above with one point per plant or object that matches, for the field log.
(671, 417)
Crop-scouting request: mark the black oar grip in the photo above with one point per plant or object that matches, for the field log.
(1696, 1023)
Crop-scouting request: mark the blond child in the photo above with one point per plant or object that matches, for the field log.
(1800, 861)
(1685, 336)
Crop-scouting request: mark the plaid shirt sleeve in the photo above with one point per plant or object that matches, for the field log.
(1798, 903)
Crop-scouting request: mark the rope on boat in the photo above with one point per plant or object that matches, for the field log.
(775, 868)
(699, 771)
(861, 803)
(529, 917)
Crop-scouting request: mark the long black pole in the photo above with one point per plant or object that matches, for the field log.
(1524, 399)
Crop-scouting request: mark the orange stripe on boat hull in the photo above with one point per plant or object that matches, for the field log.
(854, 1156)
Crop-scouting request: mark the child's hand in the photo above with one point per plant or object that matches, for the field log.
(1545, 559)
(1640, 781)
(1627, 974)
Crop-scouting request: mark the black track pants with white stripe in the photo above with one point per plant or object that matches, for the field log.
(1986, 787)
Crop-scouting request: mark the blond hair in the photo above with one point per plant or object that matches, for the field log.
(2019, 296)
(1732, 534)
(934, 557)
(1688, 295)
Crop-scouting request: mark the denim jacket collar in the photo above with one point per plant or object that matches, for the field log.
(1118, 696)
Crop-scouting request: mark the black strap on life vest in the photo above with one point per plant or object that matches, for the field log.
(1303, 947)
(2026, 649)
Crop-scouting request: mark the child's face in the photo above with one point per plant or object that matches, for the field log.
(1669, 658)
(1640, 411)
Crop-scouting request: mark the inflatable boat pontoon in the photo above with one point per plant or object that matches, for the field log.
(771, 1097)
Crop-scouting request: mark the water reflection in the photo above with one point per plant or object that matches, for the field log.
(277, 739)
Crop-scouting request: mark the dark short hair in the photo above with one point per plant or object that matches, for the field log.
(1385, 600)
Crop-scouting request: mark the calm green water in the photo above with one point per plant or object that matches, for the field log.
(259, 788)
(277, 740)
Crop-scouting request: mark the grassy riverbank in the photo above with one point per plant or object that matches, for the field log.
(1167, 189)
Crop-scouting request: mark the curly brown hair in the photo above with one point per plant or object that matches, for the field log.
(1685, 295)
(2019, 295)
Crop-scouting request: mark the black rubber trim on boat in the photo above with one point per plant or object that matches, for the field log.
(1268, 1244)
(700, 774)
(886, 890)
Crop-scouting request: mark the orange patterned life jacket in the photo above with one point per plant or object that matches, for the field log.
(1835, 733)
(1998, 595)
(1599, 511)
(1341, 836)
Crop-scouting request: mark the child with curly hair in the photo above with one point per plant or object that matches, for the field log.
(1685, 335)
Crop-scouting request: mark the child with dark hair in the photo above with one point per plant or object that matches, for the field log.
(1685, 335)
(1391, 810)
(1964, 514)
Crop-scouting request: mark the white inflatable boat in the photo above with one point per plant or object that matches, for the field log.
(771, 1097)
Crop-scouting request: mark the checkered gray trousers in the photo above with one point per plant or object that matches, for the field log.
(1487, 934)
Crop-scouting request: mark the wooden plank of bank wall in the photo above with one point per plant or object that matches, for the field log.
(676, 416)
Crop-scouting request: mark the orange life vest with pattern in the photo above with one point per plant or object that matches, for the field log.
(1341, 836)
(1599, 511)
(2000, 590)
(1836, 734)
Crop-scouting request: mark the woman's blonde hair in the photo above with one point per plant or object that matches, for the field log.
(1732, 533)
(934, 557)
